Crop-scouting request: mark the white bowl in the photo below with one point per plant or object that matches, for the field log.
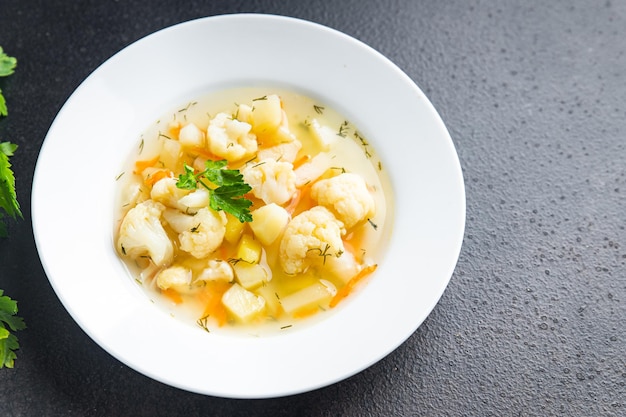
(74, 186)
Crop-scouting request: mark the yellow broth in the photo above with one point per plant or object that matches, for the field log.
(349, 152)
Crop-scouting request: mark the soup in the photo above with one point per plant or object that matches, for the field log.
(251, 208)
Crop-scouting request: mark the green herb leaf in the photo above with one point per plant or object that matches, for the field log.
(188, 180)
(3, 105)
(7, 64)
(8, 197)
(226, 189)
(9, 322)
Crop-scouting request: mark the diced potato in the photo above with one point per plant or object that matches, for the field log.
(170, 156)
(284, 152)
(313, 169)
(249, 249)
(244, 113)
(272, 303)
(269, 222)
(250, 276)
(242, 304)
(324, 135)
(344, 267)
(191, 136)
(234, 229)
(314, 295)
(267, 114)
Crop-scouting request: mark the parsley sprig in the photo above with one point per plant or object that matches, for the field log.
(8, 322)
(7, 66)
(226, 187)
(8, 197)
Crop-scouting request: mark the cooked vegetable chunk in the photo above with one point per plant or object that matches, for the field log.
(249, 249)
(217, 270)
(175, 277)
(243, 304)
(308, 297)
(191, 136)
(250, 276)
(266, 114)
(268, 222)
(271, 180)
(230, 139)
(199, 234)
(310, 236)
(347, 196)
(141, 233)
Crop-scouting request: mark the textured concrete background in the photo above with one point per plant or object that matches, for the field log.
(532, 323)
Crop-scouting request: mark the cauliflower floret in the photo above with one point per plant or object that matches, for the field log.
(141, 233)
(194, 201)
(166, 192)
(175, 277)
(347, 196)
(230, 138)
(217, 270)
(271, 181)
(311, 235)
(199, 234)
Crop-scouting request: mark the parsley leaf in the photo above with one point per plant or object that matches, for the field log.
(8, 197)
(8, 322)
(7, 66)
(227, 189)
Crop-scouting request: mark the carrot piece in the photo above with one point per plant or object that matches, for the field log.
(212, 300)
(301, 160)
(141, 165)
(300, 314)
(202, 152)
(302, 195)
(347, 289)
(156, 176)
(173, 295)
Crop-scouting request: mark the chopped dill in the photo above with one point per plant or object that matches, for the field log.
(374, 225)
(164, 136)
(260, 98)
(141, 145)
(323, 253)
(119, 176)
(192, 103)
(318, 109)
(202, 322)
(286, 327)
(343, 129)
(342, 169)
(360, 138)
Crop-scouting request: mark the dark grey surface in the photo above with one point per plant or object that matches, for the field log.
(532, 323)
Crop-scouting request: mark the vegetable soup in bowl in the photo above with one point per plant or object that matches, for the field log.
(260, 217)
